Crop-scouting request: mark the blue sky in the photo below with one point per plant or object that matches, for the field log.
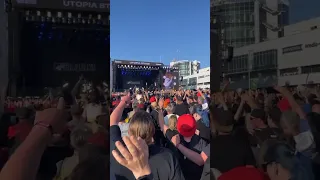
(144, 30)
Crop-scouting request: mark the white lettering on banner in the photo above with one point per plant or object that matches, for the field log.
(74, 67)
(134, 82)
(85, 4)
(140, 63)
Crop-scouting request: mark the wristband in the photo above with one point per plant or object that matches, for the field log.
(48, 126)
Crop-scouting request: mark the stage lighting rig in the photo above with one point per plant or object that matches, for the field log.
(65, 17)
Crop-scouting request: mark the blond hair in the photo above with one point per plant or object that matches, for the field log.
(172, 123)
(141, 125)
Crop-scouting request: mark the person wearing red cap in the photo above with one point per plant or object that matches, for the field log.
(190, 147)
(243, 173)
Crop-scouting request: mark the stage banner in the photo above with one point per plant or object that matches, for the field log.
(126, 62)
(76, 5)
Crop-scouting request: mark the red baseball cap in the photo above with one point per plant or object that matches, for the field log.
(186, 125)
(153, 99)
(243, 173)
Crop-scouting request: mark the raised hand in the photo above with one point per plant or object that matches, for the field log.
(135, 157)
(56, 117)
(126, 98)
(160, 103)
(176, 140)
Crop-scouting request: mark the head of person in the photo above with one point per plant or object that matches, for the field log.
(170, 108)
(186, 125)
(258, 118)
(93, 97)
(23, 113)
(103, 117)
(172, 122)
(141, 125)
(280, 161)
(221, 120)
(179, 99)
(153, 101)
(94, 167)
(76, 111)
(79, 136)
(134, 105)
(274, 116)
(200, 100)
(190, 99)
(315, 105)
(166, 102)
(290, 123)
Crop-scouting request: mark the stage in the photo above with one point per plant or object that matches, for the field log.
(50, 46)
(137, 74)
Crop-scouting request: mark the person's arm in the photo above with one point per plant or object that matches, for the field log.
(76, 87)
(193, 156)
(222, 101)
(294, 105)
(250, 101)
(117, 112)
(163, 127)
(239, 111)
(24, 163)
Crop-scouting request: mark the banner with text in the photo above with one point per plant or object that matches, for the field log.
(77, 5)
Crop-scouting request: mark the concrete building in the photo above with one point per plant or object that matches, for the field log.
(245, 22)
(292, 59)
(186, 67)
(198, 80)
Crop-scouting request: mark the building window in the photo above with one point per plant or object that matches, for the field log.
(310, 69)
(265, 60)
(289, 71)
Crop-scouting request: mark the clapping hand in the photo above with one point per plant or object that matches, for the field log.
(161, 102)
(135, 156)
(176, 140)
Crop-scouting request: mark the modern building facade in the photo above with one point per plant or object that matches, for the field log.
(245, 22)
(292, 59)
(198, 80)
(186, 67)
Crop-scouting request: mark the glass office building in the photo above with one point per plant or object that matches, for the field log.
(186, 67)
(246, 22)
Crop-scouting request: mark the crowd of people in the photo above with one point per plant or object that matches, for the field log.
(264, 134)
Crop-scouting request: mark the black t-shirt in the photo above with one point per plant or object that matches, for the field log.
(181, 109)
(261, 135)
(230, 151)
(205, 132)
(191, 170)
(206, 174)
(162, 162)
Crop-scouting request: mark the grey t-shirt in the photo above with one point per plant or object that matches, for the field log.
(124, 127)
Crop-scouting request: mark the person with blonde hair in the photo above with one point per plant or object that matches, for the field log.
(78, 139)
(172, 124)
(162, 161)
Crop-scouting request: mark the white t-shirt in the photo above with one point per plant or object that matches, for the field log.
(92, 111)
(304, 141)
